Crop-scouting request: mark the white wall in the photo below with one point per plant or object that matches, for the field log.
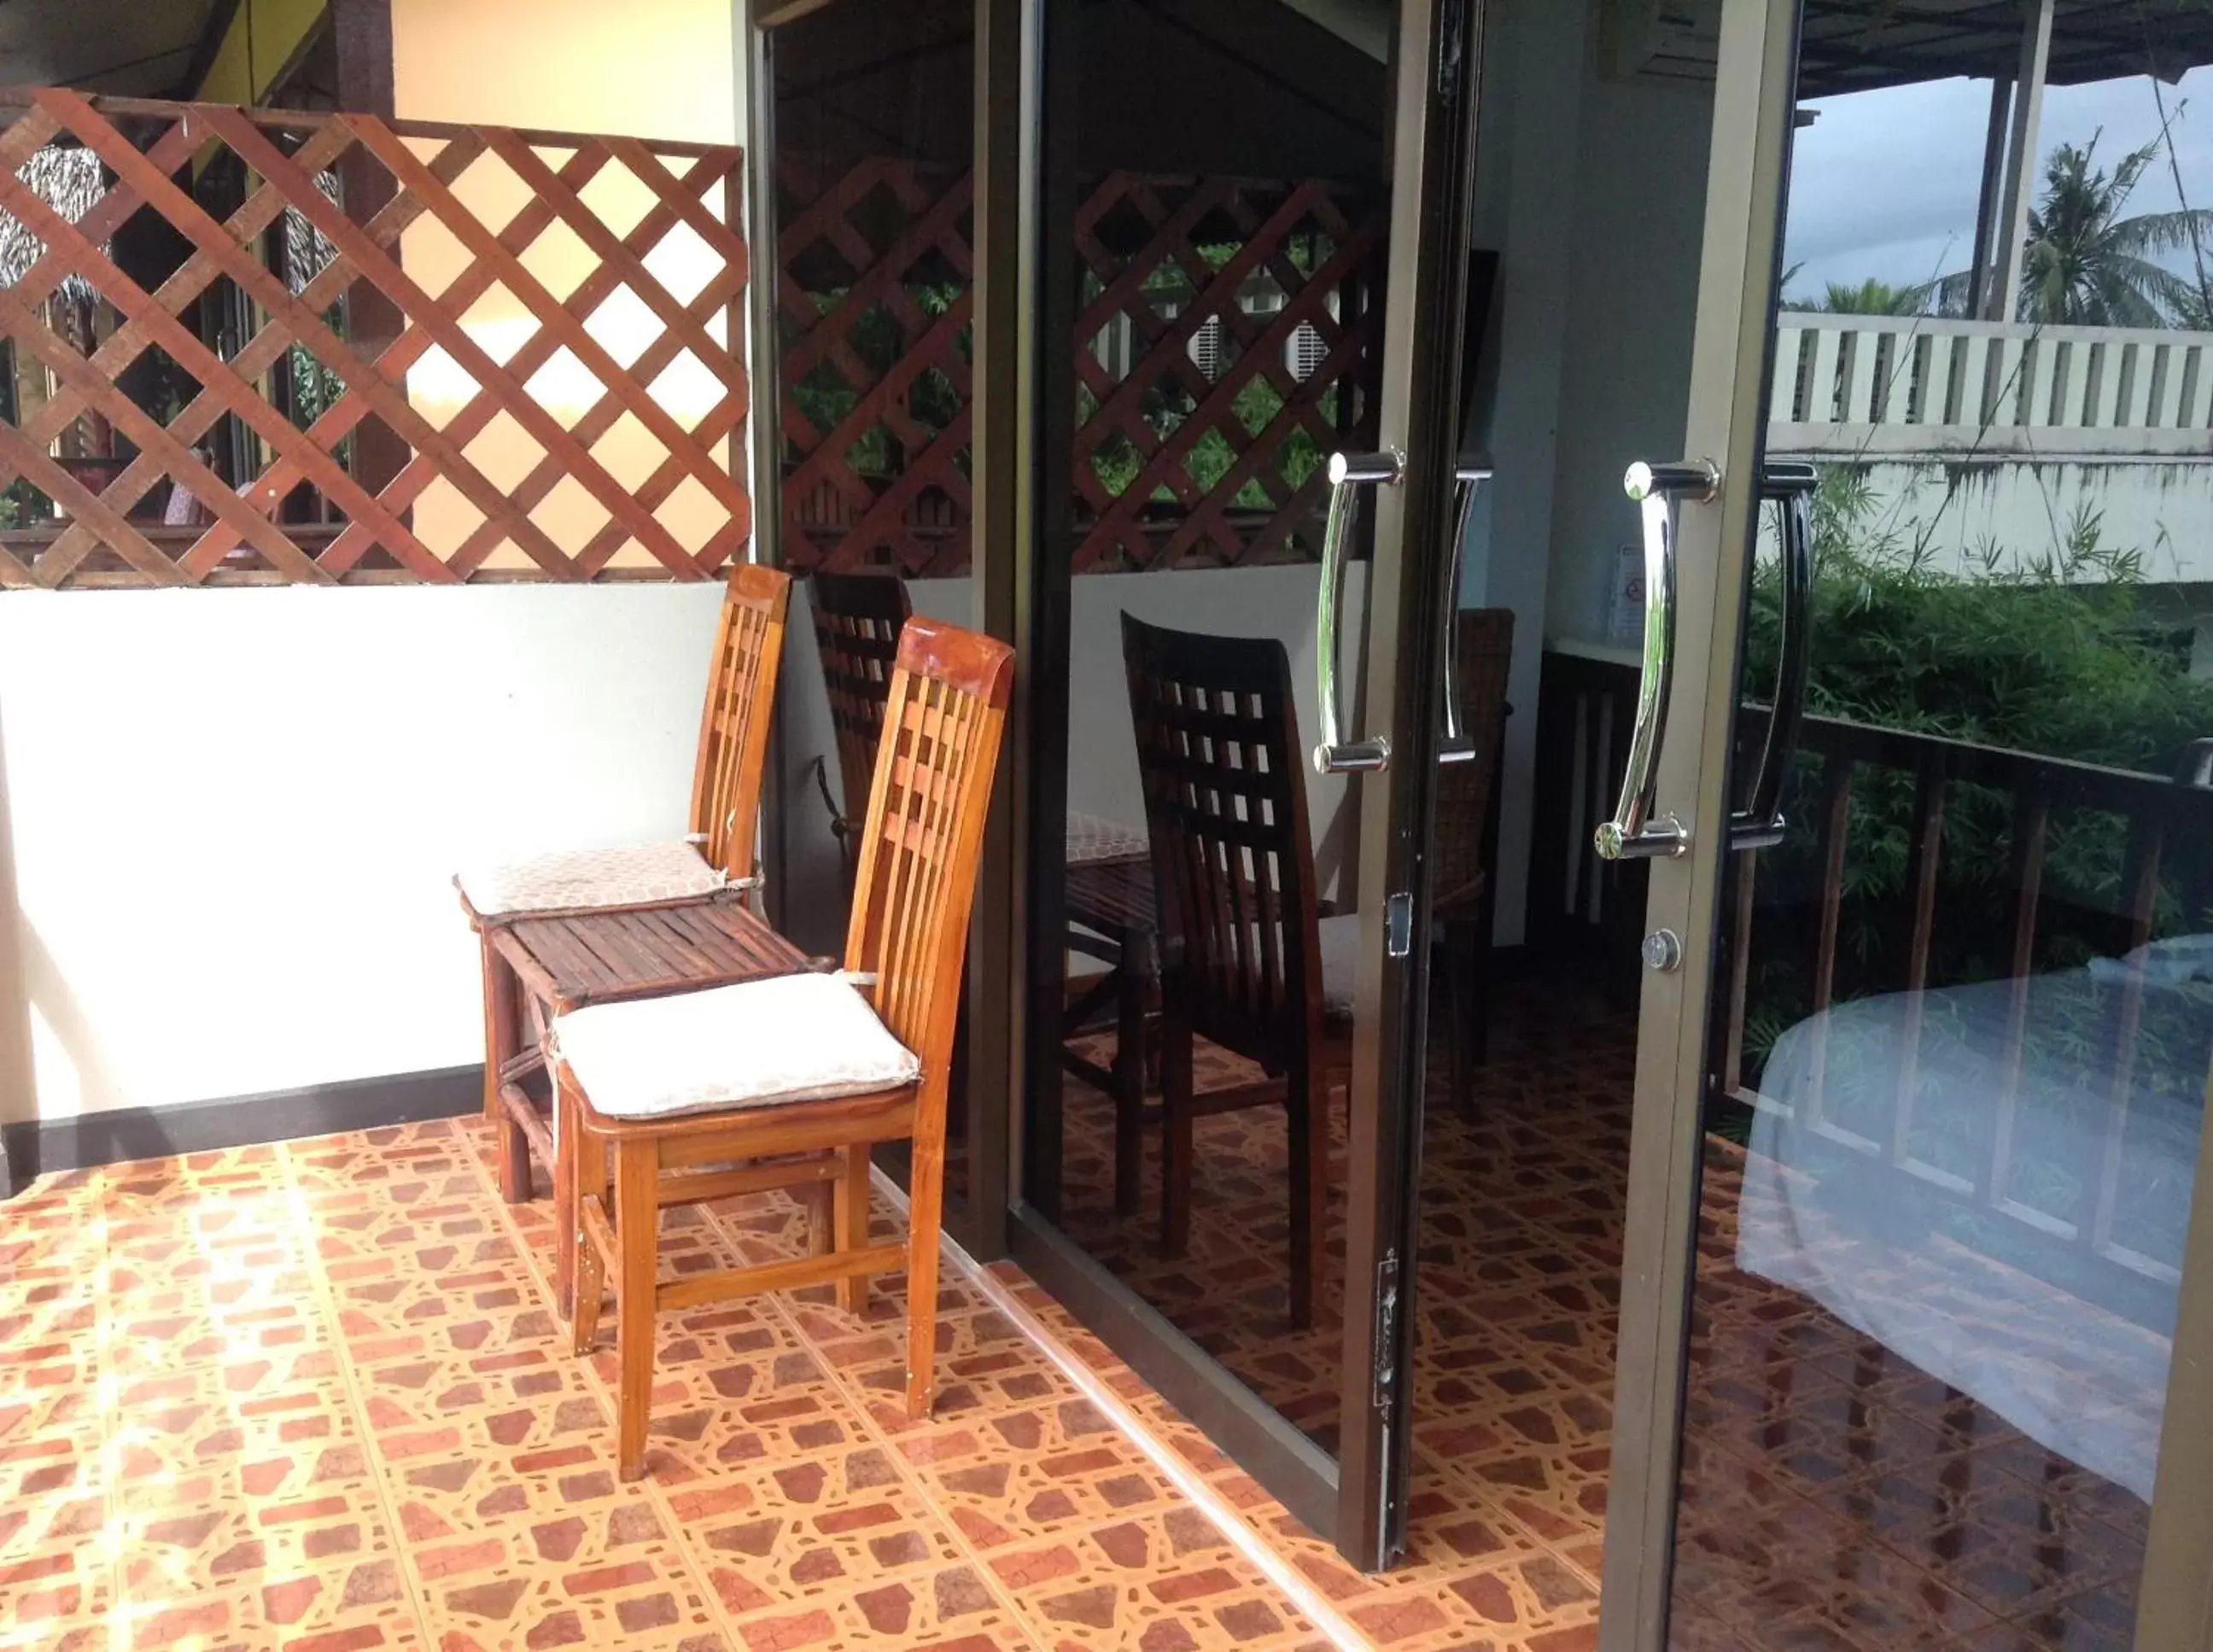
(1592, 191)
(236, 813)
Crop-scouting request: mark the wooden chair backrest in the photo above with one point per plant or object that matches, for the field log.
(1226, 809)
(1467, 793)
(923, 834)
(857, 621)
(726, 781)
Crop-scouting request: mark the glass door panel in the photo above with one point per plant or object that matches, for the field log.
(1948, 1024)
(1206, 1163)
(1213, 237)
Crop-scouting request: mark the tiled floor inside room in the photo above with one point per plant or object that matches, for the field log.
(314, 1396)
(1836, 1496)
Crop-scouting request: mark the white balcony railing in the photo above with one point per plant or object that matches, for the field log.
(1904, 387)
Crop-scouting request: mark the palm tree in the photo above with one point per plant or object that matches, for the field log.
(2085, 265)
(1870, 298)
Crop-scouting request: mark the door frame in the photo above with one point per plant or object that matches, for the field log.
(1754, 117)
(1754, 103)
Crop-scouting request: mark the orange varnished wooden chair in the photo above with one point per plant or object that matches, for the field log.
(676, 1099)
(1247, 962)
(714, 862)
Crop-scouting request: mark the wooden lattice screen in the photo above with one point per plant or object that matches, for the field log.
(559, 450)
(1251, 344)
(1226, 342)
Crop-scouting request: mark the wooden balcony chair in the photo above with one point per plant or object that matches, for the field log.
(714, 862)
(1246, 960)
(857, 620)
(675, 1100)
(1464, 887)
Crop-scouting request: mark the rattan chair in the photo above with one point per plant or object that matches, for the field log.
(675, 1100)
(1246, 961)
(714, 862)
(857, 620)
(1463, 872)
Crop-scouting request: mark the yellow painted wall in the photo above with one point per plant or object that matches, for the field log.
(648, 69)
(261, 39)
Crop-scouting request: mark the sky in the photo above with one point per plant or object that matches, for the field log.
(1885, 182)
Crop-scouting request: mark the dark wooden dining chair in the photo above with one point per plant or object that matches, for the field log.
(1246, 961)
(857, 621)
(676, 1099)
(714, 861)
(1463, 883)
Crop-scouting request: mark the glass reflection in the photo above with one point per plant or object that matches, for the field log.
(1215, 211)
(874, 129)
(1963, 1046)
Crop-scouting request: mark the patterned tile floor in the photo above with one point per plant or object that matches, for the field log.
(311, 1396)
(1835, 1496)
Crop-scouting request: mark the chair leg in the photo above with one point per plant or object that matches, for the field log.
(1129, 1084)
(500, 1044)
(1175, 1138)
(849, 1198)
(925, 1206)
(567, 1216)
(1306, 1098)
(638, 1241)
(588, 1180)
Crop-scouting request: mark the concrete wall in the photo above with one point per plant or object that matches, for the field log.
(2011, 515)
(235, 813)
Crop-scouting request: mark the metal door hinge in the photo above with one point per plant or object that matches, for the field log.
(1386, 1393)
(1399, 924)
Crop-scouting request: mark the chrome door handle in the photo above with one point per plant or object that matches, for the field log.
(1334, 754)
(1634, 835)
(1760, 824)
(1456, 744)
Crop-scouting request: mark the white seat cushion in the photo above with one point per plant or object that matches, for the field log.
(791, 1038)
(637, 875)
(1340, 958)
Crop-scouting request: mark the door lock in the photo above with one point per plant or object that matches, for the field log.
(1663, 950)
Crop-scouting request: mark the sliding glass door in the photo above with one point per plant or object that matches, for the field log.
(1916, 1291)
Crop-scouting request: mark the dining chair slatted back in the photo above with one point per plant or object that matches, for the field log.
(1466, 792)
(741, 708)
(859, 618)
(1465, 846)
(1233, 871)
(1226, 809)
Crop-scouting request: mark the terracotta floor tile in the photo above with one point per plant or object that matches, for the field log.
(317, 1393)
